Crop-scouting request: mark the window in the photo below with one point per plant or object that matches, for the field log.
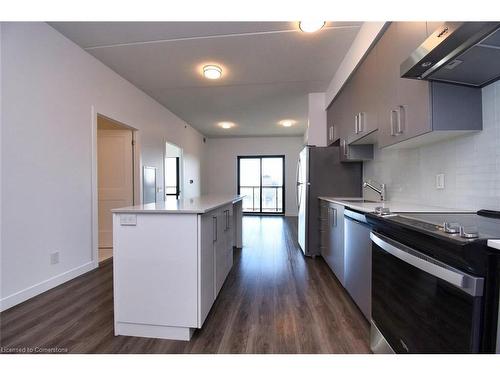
(171, 178)
(261, 179)
(172, 172)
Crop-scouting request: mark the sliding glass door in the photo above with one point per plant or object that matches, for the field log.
(262, 180)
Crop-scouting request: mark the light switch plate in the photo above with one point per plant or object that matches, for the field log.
(440, 181)
(128, 219)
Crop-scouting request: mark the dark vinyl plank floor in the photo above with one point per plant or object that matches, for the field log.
(274, 301)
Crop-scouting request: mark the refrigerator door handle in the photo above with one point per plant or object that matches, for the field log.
(298, 183)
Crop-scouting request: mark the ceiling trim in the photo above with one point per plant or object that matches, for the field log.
(213, 37)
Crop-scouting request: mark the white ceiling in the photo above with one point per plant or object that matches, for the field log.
(268, 68)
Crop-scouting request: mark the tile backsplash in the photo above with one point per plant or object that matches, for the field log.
(470, 164)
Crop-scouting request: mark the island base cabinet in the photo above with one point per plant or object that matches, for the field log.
(223, 246)
(155, 283)
(168, 270)
(206, 286)
(216, 255)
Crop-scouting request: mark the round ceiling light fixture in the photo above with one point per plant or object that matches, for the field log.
(287, 123)
(212, 71)
(311, 26)
(226, 124)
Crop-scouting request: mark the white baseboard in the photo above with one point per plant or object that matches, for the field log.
(34, 290)
(153, 331)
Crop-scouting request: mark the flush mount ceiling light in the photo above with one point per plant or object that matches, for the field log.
(226, 124)
(212, 71)
(286, 123)
(311, 26)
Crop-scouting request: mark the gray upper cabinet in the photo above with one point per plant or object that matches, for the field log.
(404, 107)
(333, 122)
(419, 111)
(405, 112)
(355, 153)
(364, 110)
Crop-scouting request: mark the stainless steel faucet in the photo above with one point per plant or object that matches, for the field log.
(380, 191)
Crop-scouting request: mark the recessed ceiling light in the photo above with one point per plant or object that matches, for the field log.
(226, 124)
(212, 71)
(286, 123)
(311, 26)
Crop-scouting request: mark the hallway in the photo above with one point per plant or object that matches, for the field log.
(274, 301)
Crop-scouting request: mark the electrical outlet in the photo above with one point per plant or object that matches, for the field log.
(440, 181)
(54, 258)
(128, 219)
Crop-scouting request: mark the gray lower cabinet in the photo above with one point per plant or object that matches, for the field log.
(358, 262)
(332, 237)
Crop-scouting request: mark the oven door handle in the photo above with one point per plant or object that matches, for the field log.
(470, 284)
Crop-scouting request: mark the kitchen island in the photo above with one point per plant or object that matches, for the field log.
(170, 260)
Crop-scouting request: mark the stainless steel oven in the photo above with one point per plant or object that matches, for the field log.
(420, 304)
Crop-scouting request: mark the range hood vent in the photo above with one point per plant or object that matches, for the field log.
(464, 53)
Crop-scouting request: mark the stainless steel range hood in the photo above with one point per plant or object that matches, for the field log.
(465, 53)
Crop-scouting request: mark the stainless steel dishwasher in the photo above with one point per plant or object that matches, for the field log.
(358, 260)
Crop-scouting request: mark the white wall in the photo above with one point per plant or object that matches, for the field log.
(471, 165)
(221, 168)
(49, 87)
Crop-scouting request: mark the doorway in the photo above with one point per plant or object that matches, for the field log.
(115, 178)
(172, 171)
(262, 180)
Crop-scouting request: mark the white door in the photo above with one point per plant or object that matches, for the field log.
(114, 179)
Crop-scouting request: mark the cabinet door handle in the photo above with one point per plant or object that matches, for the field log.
(394, 113)
(214, 221)
(344, 147)
(401, 119)
(361, 117)
(333, 214)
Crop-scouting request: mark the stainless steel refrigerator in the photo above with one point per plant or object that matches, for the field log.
(320, 173)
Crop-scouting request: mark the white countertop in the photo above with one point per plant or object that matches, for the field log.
(495, 244)
(198, 205)
(359, 205)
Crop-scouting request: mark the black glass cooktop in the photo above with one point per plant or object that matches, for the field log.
(462, 227)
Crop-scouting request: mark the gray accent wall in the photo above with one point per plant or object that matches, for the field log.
(470, 163)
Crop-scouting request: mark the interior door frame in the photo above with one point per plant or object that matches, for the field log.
(283, 194)
(136, 176)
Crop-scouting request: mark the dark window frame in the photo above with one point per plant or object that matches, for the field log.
(283, 194)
